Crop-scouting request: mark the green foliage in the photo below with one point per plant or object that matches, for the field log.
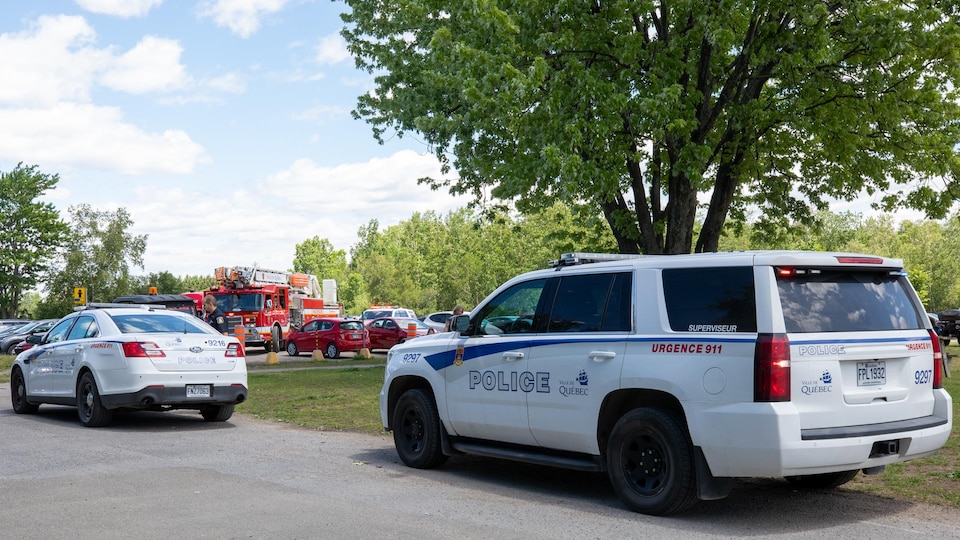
(30, 233)
(98, 256)
(637, 111)
(429, 263)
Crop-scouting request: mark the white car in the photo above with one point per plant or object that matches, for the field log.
(105, 358)
(676, 374)
(438, 319)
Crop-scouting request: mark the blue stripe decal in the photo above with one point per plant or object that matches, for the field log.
(446, 358)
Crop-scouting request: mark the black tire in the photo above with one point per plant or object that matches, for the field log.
(292, 349)
(217, 413)
(650, 463)
(90, 409)
(416, 430)
(332, 351)
(822, 481)
(18, 394)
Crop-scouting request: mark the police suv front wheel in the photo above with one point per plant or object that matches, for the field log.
(650, 462)
(416, 430)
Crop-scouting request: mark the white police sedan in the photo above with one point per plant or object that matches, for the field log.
(104, 358)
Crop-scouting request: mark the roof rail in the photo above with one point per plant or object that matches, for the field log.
(579, 257)
(102, 305)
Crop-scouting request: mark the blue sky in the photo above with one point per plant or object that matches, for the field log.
(222, 126)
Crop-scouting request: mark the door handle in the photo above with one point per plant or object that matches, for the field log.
(512, 356)
(601, 356)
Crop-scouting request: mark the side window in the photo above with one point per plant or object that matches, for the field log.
(512, 311)
(59, 332)
(85, 327)
(710, 299)
(592, 303)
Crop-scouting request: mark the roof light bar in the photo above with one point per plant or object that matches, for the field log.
(580, 257)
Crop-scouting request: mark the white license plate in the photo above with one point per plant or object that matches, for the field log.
(198, 390)
(871, 373)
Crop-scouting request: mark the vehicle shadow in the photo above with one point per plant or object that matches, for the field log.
(745, 512)
(146, 421)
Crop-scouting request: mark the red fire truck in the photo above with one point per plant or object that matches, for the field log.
(268, 303)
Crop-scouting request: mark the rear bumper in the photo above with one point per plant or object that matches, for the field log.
(766, 440)
(175, 396)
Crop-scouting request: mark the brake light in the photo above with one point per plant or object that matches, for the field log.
(937, 360)
(142, 349)
(234, 350)
(771, 364)
(860, 260)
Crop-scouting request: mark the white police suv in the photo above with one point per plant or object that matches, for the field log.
(676, 374)
(114, 356)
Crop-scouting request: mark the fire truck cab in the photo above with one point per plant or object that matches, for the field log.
(268, 303)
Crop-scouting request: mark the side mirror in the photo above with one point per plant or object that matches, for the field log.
(460, 323)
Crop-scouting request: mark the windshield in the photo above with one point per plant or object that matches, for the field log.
(239, 302)
(152, 323)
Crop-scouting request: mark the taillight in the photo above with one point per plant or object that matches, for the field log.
(771, 364)
(142, 349)
(234, 350)
(937, 360)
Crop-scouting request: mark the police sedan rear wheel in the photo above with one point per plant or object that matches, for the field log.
(91, 411)
(416, 430)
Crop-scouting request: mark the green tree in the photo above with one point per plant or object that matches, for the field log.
(98, 256)
(638, 109)
(30, 233)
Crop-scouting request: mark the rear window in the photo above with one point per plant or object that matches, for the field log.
(152, 323)
(710, 299)
(823, 300)
(351, 325)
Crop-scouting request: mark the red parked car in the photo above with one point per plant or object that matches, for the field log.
(388, 331)
(330, 335)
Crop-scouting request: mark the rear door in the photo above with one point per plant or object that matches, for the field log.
(861, 353)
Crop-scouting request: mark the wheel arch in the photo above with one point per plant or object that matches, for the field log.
(618, 403)
(400, 385)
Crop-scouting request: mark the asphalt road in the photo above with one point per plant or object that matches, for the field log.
(171, 475)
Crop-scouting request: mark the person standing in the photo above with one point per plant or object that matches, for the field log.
(457, 310)
(214, 317)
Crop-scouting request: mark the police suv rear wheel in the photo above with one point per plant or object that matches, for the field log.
(650, 462)
(416, 430)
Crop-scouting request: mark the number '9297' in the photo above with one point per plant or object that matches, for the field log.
(922, 376)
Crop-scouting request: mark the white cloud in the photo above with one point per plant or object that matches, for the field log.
(119, 8)
(269, 218)
(91, 136)
(52, 61)
(152, 65)
(242, 17)
(332, 49)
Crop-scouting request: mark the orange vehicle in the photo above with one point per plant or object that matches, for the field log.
(269, 303)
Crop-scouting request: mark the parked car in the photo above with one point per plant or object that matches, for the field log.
(104, 359)
(11, 340)
(676, 375)
(330, 335)
(386, 332)
(386, 311)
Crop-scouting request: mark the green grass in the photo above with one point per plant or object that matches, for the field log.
(346, 398)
